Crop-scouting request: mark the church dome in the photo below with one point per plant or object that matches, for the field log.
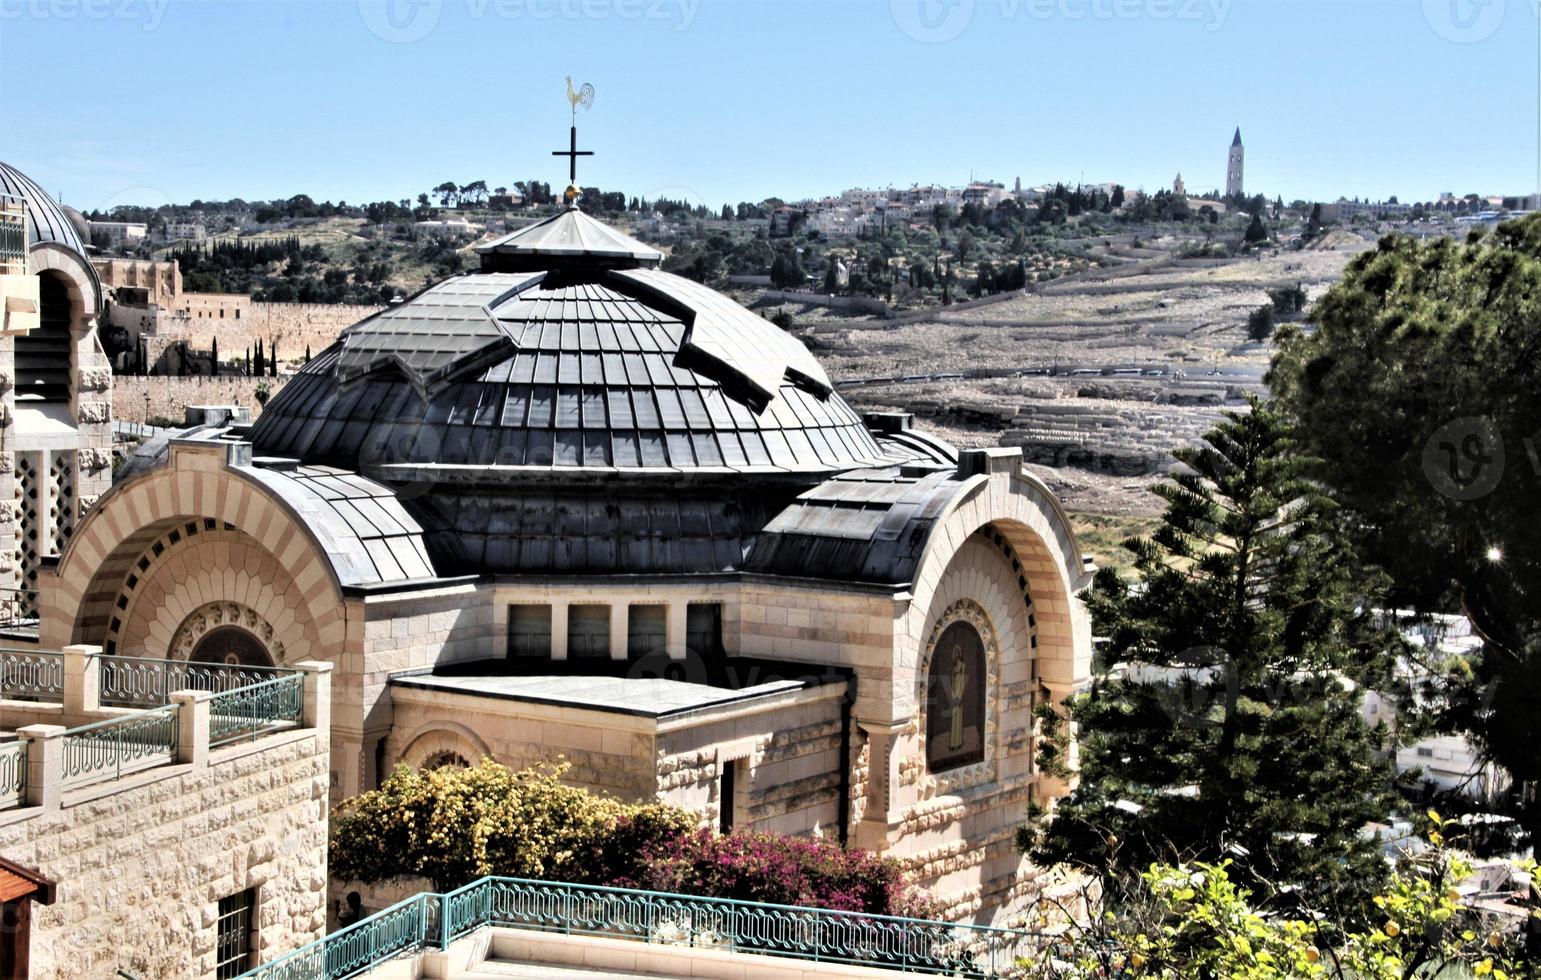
(572, 408)
(569, 354)
(47, 219)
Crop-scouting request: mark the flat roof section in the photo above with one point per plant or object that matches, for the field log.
(640, 696)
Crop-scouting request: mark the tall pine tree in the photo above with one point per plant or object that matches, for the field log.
(1233, 729)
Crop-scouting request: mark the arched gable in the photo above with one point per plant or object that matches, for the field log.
(196, 487)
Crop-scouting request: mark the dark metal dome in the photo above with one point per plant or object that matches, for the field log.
(500, 377)
(46, 218)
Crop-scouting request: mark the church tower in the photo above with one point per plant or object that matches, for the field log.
(1233, 167)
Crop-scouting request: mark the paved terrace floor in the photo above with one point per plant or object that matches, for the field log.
(496, 970)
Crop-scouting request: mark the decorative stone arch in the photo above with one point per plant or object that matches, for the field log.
(214, 617)
(84, 287)
(194, 495)
(1024, 515)
(438, 739)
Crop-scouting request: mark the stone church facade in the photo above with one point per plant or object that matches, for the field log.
(572, 507)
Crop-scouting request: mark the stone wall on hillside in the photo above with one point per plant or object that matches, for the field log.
(170, 396)
(240, 323)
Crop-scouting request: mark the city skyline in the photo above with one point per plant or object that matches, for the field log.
(1019, 88)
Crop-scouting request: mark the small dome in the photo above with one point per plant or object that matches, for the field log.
(47, 219)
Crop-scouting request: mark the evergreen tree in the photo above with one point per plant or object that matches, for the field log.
(258, 364)
(1255, 231)
(272, 359)
(214, 356)
(1233, 731)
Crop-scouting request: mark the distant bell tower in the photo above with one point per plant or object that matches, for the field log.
(1178, 187)
(1233, 167)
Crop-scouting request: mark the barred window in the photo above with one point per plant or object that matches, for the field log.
(234, 927)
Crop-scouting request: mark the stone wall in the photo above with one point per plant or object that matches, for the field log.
(142, 862)
(240, 323)
(169, 396)
(789, 758)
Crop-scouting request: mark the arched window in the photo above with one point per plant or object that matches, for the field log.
(43, 355)
(233, 646)
(955, 699)
(448, 759)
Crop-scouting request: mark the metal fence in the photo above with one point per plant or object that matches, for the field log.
(13, 773)
(820, 935)
(31, 676)
(406, 927)
(137, 682)
(108, 749)
(253, 710)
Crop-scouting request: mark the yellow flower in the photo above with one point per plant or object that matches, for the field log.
(1313, 954)
(1391, 928)
(1484, 968)
(1137, 960)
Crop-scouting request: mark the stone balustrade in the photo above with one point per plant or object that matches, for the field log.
(78, 741)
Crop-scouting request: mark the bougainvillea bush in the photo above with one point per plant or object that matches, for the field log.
(453, 826)
(756, 867)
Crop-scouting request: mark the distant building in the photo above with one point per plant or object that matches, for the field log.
(1444, 762)
(1342, 209)
(984, 194)
(1234, 166)
(782, 221)
(118, 233)
(448, 227)
(193, 231)
(1178, 187)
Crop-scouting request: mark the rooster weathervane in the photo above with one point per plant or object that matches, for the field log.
(582, 96)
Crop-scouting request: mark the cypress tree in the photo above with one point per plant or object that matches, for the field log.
(214, 357)
(1234, 731)
(259, 365)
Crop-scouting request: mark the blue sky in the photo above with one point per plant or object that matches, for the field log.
(145, 101)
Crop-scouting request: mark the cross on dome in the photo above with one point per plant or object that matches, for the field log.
(583, 96)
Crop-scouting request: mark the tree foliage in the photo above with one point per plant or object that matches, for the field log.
(453, 826)
(1194, 921)
(1235, 731)
(1417, 391)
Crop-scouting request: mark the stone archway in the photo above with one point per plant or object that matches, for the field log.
(227, 633)
(440, 743)
(179, 537)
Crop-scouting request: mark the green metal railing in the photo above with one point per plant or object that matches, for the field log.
(433, 921)
(108, 749)
(407, 927)
(253, 710)
(13, 773)
(27, 676)
(139, 682)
